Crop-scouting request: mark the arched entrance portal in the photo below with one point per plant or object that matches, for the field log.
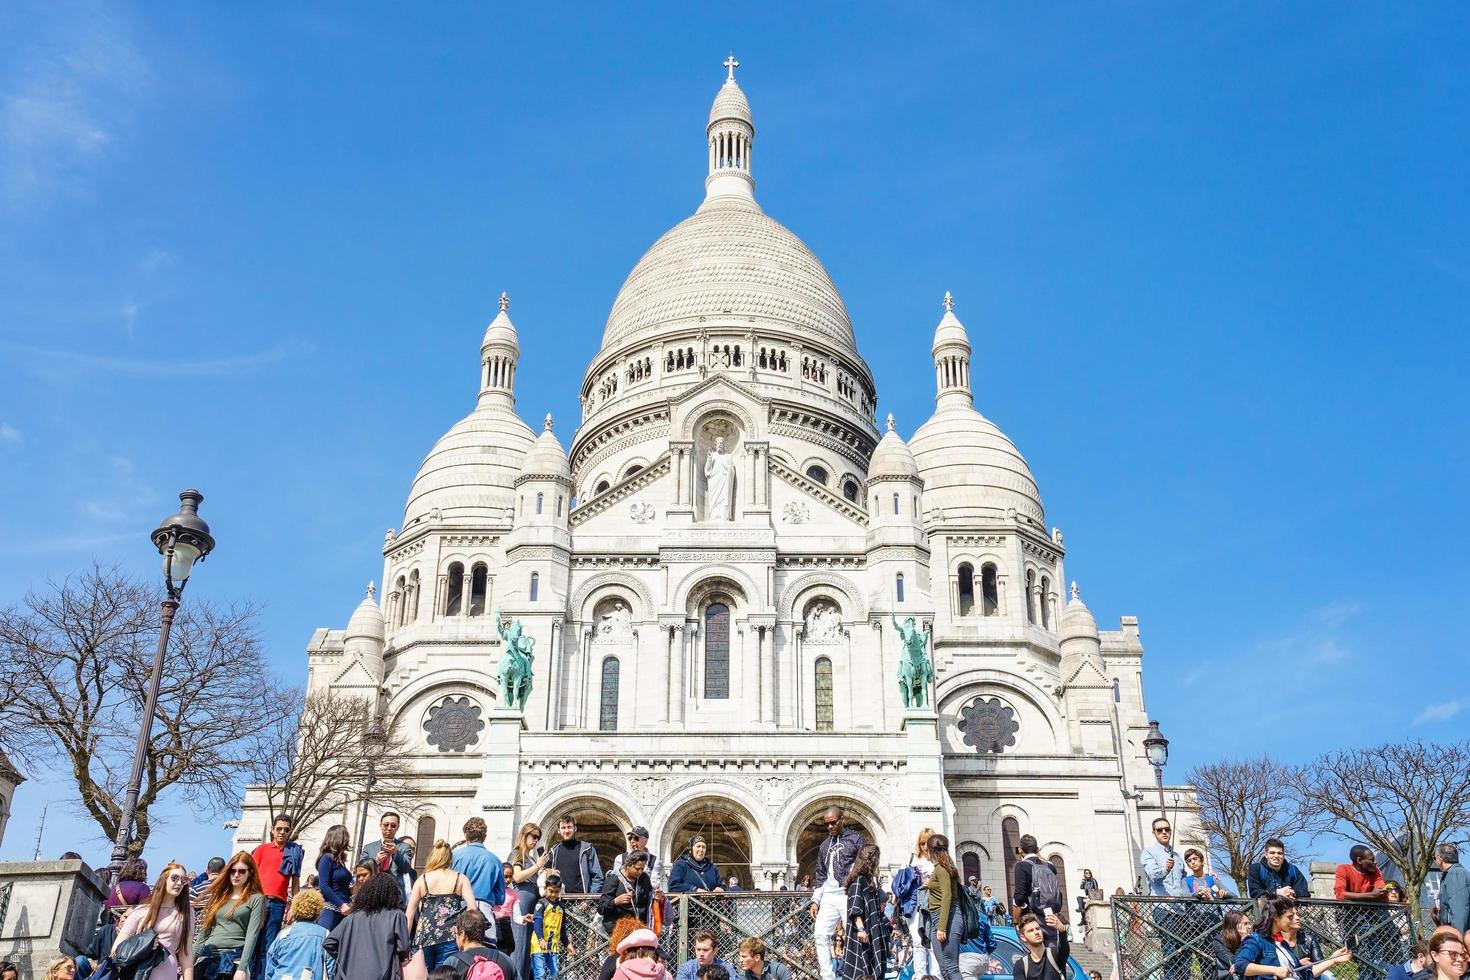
(601, 825)
(813, 829)
(724, 830)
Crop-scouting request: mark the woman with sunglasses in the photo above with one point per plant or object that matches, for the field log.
(1278, 947)
(234, 910)
(1446, 954)
(168, 914)
(525, 862)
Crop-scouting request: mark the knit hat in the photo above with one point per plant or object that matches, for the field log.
(637, 938)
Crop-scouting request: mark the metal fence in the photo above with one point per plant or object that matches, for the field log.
(1173, 938)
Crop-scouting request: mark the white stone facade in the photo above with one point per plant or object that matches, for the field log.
(714, 641)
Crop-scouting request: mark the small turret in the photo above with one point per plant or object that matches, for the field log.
(731, 134)
(500, 352)
(1080, 642)
(364, 639)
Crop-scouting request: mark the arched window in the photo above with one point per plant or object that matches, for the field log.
(850, 491)
(817, 475)
(971, 869)
(895, 505)
(967, 590)
(535, 586)
(540, 501)
(1010, 844)
(454, 598)
(1060, 864)
(717, 650)
(413, 587)
(607, 717)
(1045, 600)
(603, 487)
(401, 588)
(898, 587)
(1031, 596)
(989, 591)
(632, 470)
(823, 689)
(479, 579)
(425, 839)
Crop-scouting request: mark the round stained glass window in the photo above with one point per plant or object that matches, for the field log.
(454, 724)
(989, 725)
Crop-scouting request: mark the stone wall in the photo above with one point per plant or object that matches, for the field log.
(52, 911)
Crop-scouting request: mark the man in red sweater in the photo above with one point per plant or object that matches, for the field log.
(278, 888)
(1360, 880)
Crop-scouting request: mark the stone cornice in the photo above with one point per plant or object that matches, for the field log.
(620, 491)
(813, 489)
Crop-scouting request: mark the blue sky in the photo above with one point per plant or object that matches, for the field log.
(1214, 263)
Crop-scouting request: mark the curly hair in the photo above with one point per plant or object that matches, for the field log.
(380, 891)
(622, 929)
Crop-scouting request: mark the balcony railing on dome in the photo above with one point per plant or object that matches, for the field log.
(1171, 938)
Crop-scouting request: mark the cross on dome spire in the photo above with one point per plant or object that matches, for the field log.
(731, 64)
(372, 590)
(890, 421)
(504, 302)
(1076, 596)
(548, 421)
(948, 301)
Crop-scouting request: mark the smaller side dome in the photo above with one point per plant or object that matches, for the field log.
(1077, 620)
(547, 458)
(367, 618)
(892, 457)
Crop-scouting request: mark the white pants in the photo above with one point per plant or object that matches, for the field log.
(923, 958)
(831, 902)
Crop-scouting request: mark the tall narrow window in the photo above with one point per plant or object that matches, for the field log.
(454, 600)
(479, 579)
(898, 587)
(413, 588)
(1060, 864)
(1117, 690)
(607, 718)
(1045, 600)
(401, 589)
(967, 590)
(823, 689)
(426, 830)
(971, 862)
(989, 591)
(540, 501)
(1031, 596)
(558, 505)
(717, 650)
(535, 586)
(1010, 843)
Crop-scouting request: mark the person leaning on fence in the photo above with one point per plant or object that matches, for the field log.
(1274, 875)
(627, 892)
(1223, 948)
(1041, 961)
(1197, 881)
(1163, 870)
(1279, 948)
(1454, 888)
(1359, 880)
(706, 953)
(755, 965)
(694, 871)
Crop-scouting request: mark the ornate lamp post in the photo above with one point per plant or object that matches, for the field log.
(182, 540)
(373, 740)
(1156, 747)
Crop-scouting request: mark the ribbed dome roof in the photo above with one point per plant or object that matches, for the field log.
(968, 465)
(729, 260)
(547, 457)
(469, 473)
(730, 103)
(501, 330)
(892, 457)
(367, 618)
(1077, 619)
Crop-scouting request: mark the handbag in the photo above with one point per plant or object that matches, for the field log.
(134, 950)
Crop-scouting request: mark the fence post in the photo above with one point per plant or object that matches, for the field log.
(683, 902)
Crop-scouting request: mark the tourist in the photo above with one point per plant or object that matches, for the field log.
(1274, 875)
(627, 892)
(1197, 881)
(437, 898)
(470, 930)
(706, 953)
(9, 971)
(1454, 888)
(391, 855)
(229, 928)
(546, 933)
(623, 929)
(972, 888)
(480, 865)
(732, 883)
(371, 942)
(835, 855)
(638, 958)
(333, 878)
(270, 857)
(976, 959)
(505, 912)
(168, 914)
(805, 883)
(1359, 880)
(1163, 869)
(638, 841)
(1418, 961)
(1446, 954)
(525, 862)
(1279, 948)
(64, 968)
(911, 900)
(994, 907)
(694, 871)
(200, 883)
(866, 951)
(298, 946)
(948, 925)
(576, 860)
(132, 885)
(1235, 925)
(1038, 889)
(1041, 960)
(364, 870)
(755, 966)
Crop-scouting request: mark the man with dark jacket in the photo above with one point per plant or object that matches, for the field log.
(1030, 896)
(1454, 888)
(835, 855)
(576, 860)
(627, 892)
(1275, 875)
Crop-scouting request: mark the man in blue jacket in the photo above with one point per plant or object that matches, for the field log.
(1454, 888)
(481, 867)
(1275, 875)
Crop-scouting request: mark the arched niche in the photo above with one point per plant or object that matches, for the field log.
(719, 446)
(728, 829)
(600, 822)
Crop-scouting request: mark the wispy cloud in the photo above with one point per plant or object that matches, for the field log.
(140, 367)
(1443, 711)
(9, 434)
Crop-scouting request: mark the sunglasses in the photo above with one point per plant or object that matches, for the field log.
(239, 871)
(833, 823)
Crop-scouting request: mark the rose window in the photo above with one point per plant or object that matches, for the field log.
(989, 725)
(454, 724)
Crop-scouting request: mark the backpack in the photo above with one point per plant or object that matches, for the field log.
(1046, 892)
(969, 916)
(905, 888)
(484, 969)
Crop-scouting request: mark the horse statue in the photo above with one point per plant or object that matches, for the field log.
(914, 670)
(515, 663)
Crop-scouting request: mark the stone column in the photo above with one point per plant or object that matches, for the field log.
(674, 651)
(765, 651)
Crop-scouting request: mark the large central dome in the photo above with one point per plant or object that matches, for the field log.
(729, 259)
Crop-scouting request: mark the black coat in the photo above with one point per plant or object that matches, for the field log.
(617, 884)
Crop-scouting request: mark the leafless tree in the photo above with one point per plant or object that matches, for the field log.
(1401, 799)
(75, 658)
(329, 755)
(1243, 803)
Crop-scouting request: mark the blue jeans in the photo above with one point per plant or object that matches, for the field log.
(439, 952)
(275, 912)
(948, 952)
(545, 966)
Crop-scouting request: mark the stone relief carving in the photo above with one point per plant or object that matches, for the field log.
(454, 724)
(823, 623)
(773, 790)
(641, 512)
(615, 625)
(796, 512)
(989, 725)
(649, 790)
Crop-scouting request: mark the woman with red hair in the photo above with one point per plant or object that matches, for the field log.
(233, 913)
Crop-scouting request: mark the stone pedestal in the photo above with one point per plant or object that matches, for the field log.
(924, 777)
(495, 800)
(51, 912)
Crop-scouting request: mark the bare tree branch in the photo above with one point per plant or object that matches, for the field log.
(1243, 803)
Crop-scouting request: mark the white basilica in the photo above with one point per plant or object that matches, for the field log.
(712, 575)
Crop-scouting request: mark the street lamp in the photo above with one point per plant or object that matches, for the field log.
(182, 540)
(374, 739)
(1156, 747)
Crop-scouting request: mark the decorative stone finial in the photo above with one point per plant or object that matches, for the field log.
(548, 421)
(890, 421)
(1076, 597)
(731, 64)
(372, 590)
(504, 302)
(948, 301)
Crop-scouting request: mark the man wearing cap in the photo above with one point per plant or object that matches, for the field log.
(638, 841)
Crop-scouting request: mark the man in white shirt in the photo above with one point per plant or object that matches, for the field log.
(835, 855)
